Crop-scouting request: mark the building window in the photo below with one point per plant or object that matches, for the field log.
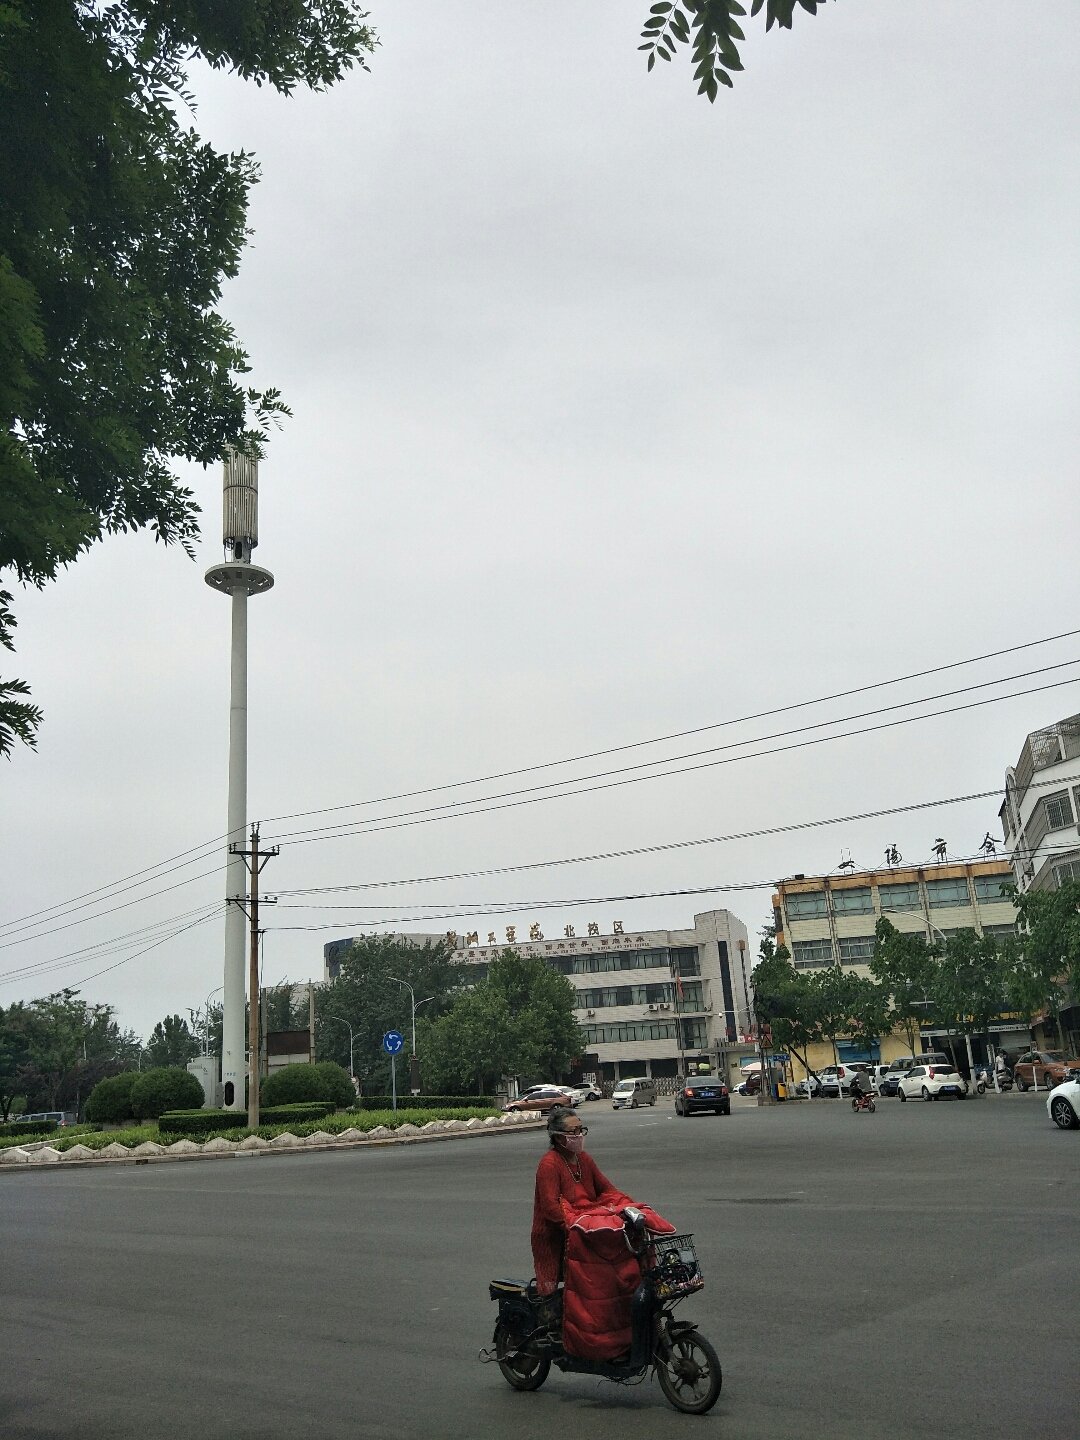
(999, 931)
(810, 954)
(629, 1030)
(684, 960)
(856, 949)
(806, 905)
(853, 902)
(942, 893)
(988, 889)
(1059, 813)
(1065, 871)
(694, 1035)
(900, 897)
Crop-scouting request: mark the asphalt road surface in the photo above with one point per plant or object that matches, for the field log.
(913, 1272)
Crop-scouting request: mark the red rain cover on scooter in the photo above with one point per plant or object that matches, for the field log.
(600, 1277)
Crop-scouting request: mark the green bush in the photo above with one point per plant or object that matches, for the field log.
(293, 1083)
(110, 1100)
(190, 1124)
(482, 1104)
(29, 1127)
(167, 1088)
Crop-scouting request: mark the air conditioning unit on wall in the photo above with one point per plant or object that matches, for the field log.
(590, 1012)
(654, 1007)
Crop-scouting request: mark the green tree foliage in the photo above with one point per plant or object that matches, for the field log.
(969, 985)
(711, 31)
(14, 1057)
(366, 998)
(205, 1025)
(519, 1020)
(110, 1100)
(907, 968)
(118, 226)
(164, 1088)
(70, 1046)
(294, 1083)
(171, 1043)
(784, 1001)
(1043, 962)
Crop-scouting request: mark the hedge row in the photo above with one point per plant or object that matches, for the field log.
(188, 1123)
(484, 1103)
(29, 1127)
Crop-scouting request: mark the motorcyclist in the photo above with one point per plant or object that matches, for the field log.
(567, 1178)
(860, 1086)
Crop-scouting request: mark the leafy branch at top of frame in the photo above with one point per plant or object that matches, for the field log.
(712, 31)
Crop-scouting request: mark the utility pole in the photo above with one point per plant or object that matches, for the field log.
(254, 859)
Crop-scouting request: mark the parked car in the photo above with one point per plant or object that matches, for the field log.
(932, 1082)
(749, 1084)
(629, 1094)
(810, 1086)
(877, 1075)
(836, 1079)
(1046, 1067)
(702, 1092)
(1063, 1105)
(588, 1091)
(542, 1097)
(899, 1068)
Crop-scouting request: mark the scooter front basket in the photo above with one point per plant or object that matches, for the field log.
(673, 1267)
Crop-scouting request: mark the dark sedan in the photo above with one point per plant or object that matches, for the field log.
(702, 1093)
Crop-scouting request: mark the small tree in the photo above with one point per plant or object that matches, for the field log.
(906, 967)
(295, 1083)
(968, 989)
(109, 1102)
(164, 1088)
(171, 1042)
(1046, 955)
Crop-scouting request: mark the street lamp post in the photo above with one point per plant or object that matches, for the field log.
(415, 1005)
(340, 1021)
(206, 1027)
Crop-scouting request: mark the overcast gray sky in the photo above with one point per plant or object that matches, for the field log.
(616, 414)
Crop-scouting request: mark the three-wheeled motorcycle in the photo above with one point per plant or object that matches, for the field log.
(526, 1343)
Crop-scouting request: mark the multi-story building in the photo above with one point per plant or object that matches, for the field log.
(1041, 808)
(830, 920)
(650, 1002)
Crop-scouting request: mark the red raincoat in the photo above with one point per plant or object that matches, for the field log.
(578, 1233)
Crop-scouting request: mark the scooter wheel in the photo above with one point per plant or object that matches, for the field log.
(521, 1370)
(873, 1108)
(690, 1376)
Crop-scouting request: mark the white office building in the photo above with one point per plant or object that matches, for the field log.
(1041, 808)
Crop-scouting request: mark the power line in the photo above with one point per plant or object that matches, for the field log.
(115, 942)
(683, 734)
(179, 861)
(374, 828)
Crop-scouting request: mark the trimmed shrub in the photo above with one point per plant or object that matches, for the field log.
(293, 1083)
(29, 1127)
(167, 1088)
(201, 1123)
(482, 1104)
(110, 1100)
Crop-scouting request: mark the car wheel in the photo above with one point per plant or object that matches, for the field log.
(900, 1095)
(926, 1094)
(633, 1104)
(1021, 1085)
(1063, 1115)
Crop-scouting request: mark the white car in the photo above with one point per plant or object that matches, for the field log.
(588, 1091)
(1063, 1105)
(931, 1082)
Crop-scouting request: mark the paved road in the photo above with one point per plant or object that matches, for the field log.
(344, 1295)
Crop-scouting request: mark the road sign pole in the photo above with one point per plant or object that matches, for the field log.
(393, 1081)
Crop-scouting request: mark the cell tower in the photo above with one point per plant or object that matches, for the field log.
(238, 577)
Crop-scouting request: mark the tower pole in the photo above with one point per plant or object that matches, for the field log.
(238, 578)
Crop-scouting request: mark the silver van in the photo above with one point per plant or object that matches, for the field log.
(629, 1094)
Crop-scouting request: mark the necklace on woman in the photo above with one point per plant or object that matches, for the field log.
(575, 1169)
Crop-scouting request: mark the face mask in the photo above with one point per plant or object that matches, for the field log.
(575, 1144)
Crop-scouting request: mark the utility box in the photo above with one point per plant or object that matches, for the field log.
(205, 1070)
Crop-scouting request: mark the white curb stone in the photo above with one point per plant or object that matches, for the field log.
(407, 1129)
(184, 1147)
(149, 1147)
(219, 1145)
(285, 1141)
(381, 1132)
(12, 1155)
(352, 1134)
(45, 1156)
(320, 1137)
(114, 1152)
(254, 1142)
(78, 1152)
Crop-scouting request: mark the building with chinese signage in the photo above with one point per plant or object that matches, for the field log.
(651, 1002)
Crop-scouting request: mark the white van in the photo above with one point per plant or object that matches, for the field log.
(629, 1094)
